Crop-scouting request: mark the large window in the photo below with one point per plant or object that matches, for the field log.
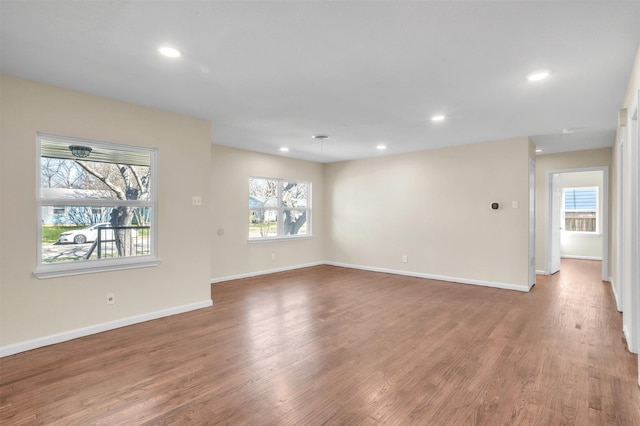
(96, 206)
(580, 209)
(279, 208)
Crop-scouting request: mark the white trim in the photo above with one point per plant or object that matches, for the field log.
(541, 272)
(505, 286)
(284, 238)
(570, 256)
(619, 248)
(92, 266)
(619, 306)
(98, 328)
(631, 348)
(265, 272)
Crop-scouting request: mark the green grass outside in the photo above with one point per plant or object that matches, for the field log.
(51, 233)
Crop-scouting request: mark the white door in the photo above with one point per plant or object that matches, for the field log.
(532, 223)
(635, 226)
(556, 204)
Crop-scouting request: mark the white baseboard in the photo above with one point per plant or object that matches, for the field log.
(570, 256)
(265, 272)
(615, 295)
(86, 331)
(630, 343)
(505, 286)
(541, 272)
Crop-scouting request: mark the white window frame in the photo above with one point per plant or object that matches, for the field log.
(597, 210)
(280, 235)
(44, 270)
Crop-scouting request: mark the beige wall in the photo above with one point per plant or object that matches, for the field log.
(564, 161)
(580, 245)
(33, 309)
(231, 254)
(433, 206)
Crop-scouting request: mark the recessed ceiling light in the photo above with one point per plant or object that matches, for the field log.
(381, 147)
(320, 136)
(538, 75)
(169, 52)
(284, 149)
(438, 117)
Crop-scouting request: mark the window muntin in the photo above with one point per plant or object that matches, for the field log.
(279, 208)
(113, 187)
(580, 210)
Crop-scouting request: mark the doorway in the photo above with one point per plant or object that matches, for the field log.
(578, 217)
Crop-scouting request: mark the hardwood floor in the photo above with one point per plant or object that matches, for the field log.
(328, 345)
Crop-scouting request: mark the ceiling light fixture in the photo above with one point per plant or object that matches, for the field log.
(320, 137)
(538, 75)
(438, 118)
(284, 149)
(169, 52)
(381, 147)
(538, 150)
(80, 151)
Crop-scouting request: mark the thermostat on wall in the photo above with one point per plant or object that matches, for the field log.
(495, 205)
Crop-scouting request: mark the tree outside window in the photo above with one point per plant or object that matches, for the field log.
(112, 186)
(278, 208)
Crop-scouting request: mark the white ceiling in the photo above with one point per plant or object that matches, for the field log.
(273, 73)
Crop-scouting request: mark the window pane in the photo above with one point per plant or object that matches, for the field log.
(85, 233)
(580, 199)
(105, 174)
(580, 221)
(263, 223)
(295, 222)
(263, 192)
(294, 194)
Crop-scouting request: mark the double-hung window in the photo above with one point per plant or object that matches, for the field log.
(97, 206)
(279, 208)
(580, 209)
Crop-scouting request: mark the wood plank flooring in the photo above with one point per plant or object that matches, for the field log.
(335, 346)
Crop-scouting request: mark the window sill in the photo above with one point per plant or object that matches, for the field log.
(274, 239)
(582, 234)
(90, 267)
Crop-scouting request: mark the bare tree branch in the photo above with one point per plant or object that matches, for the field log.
(118, 191)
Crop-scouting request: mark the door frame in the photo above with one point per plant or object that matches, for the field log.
(605, 215)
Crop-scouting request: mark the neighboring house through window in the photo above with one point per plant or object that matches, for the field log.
(580, 209)
(97, 206)
(279, 208)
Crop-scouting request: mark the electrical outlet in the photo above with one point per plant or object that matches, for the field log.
(196, 200)
(111, 298)
(515, 204)
(405, 258)
(273, 256)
